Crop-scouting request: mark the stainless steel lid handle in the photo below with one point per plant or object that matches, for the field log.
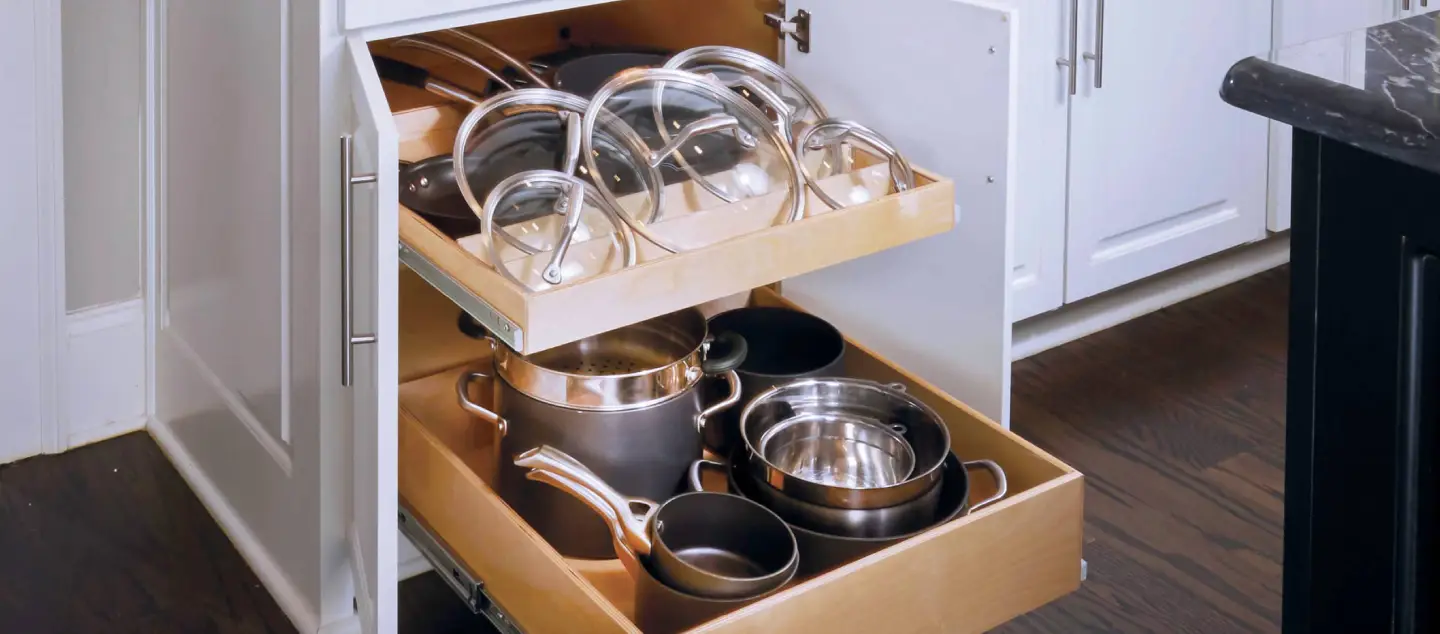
(708, 125)
(826, 132)
(576, 195)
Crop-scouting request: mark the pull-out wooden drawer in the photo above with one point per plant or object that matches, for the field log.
(964, 576)
(752, 251)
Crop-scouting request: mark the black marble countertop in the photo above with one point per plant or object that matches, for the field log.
(1387, 102)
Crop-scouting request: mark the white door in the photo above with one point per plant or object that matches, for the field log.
(1162, 172)
(240, 375)
(1038, 275)
(938, 78)
(22, 428)
(372, 300)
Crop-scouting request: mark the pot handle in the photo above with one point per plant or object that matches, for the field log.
(733, 380)
(995, 472)
(601, 507)
(697, 467)
(462, 390)
(545, 458)
(736, 349)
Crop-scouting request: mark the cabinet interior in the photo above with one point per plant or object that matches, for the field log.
(647, 24)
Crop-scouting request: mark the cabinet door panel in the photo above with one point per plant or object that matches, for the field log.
(939, 306)
(373, 302)
(1038, 275)
(1162, 172)
(236, 380)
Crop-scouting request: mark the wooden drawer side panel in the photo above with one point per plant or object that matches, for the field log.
(1001, 565)
(527, 578)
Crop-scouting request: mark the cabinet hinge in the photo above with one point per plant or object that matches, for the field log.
(459, 577)
(798, 28)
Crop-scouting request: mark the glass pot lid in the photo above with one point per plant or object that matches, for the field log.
(572, 199)
(826, 135)
(524, 130)
(713, 148)
(750, 73)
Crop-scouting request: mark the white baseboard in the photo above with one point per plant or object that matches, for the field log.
(289, 598)
(104, 383)
(1090, 316)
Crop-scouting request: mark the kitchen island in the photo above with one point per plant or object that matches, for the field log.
(1364, 360)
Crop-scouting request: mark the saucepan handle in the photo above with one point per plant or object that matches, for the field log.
(462, 390)
(995, 472)
(547, 459)
(697, 469)
(598, 504)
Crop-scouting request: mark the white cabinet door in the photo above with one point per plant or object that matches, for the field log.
(1162, 172)
(370, 298)
(239, 372)
(1038, 275)
(938, 78)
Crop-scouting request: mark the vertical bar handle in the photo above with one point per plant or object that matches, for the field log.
(348, 339)
(1099, 55)
(1404, 5)
(1071, 63)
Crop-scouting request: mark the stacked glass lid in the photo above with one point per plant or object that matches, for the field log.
(717, 143)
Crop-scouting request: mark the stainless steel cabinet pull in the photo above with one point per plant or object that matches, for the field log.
(1069, 62)
(1099, 55)
(1404, 5)
(348, 338)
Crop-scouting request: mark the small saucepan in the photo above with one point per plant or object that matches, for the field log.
(712, 545)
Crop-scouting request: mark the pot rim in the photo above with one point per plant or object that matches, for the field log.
(657, 540)
(766, 375)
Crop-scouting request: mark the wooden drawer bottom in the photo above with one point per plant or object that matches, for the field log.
(966, 576)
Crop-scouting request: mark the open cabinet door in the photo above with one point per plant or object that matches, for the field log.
(370, 288)
(937, 78)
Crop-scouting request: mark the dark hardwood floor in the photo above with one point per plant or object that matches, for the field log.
(1176, 419)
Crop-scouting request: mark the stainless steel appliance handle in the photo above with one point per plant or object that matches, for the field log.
(1404, 5)
(1099, 55)
(348, 339)
(1070, 62)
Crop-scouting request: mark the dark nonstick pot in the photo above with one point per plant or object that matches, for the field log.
(820, 552)
(785, 345)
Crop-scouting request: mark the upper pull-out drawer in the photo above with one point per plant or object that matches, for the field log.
(753, 252)
(361, 14)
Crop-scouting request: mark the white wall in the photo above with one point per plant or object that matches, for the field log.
(104, 58)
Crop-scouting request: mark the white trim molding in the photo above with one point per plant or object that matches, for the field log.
(291, 601)
(105, 380)
(1092, 315)
(50, 210)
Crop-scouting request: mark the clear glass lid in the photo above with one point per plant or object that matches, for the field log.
(727, 168)
(526, 130)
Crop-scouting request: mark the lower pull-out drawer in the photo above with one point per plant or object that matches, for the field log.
(967, 575)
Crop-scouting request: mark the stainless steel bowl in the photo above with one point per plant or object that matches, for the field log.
(835, 449)
(841, 452)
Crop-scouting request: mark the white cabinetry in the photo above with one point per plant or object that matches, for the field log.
(1320, 37)
(301, 468)
(1136, 167)
(1162, 172)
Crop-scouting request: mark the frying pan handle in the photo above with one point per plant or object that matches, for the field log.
(545, 458)
(601, 507)
(995, 472)
(462, 390)
(697, 469)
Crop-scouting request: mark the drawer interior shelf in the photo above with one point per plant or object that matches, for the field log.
(970, 574)
(744, 248)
